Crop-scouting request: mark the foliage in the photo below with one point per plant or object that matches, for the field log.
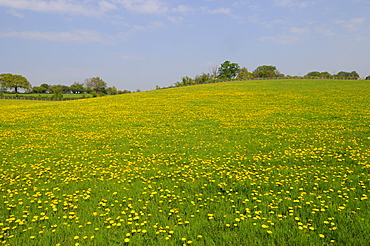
(319, 74)
(43, 88)
(237, 163)
(202, 79)
(244, 74)
(112, 91)
(96, 84)
(12, 81)
(58, 93)
(228, 70)
(123, 92)
(343, 74)
(77, 88)
(266, 71)
(185, 81)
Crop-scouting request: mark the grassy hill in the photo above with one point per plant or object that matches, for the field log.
(276, 162)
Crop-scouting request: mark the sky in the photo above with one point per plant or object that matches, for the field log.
(139, 44)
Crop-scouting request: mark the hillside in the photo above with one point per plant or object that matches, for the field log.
(275, 162)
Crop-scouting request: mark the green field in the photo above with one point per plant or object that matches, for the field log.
(275, 162)
(45, 95)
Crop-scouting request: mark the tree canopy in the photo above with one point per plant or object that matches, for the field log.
(12, 81)
(352, 74)
(96, 84)
(77, 88)
(266, 72)
(228, 70)
(319, 74)
(244, 74)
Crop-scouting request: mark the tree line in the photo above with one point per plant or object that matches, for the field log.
(98, 87)
(95, 86)
(230, 71)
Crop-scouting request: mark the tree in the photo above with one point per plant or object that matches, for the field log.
(96, 84)
(185, 81)
(266, 72)
(368, 77)
(61, 88)
(319, 74)
(343, 74)
(112, 91)
(325, 75)
(124, 92)
(58, 92)
(77, 88)
(44, 87)
(213, 71)
(203, 78)
(244, 74)
(313, 74)
(11, 81)
(228, 70)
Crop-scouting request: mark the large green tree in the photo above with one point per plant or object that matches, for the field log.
(77, 88)
(228, 70)
(112, 90)
(319, 74)
(344, 74)
(96, 84)
(244, 74)
(13, 81)
(266, 72)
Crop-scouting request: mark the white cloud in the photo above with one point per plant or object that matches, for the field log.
(324, 31)
(351, 25)
(144, 6)
(132, 58)
(105, 6)
(292, 3)
(182, 9)
(81, 36)
(15, 13)
(281, 39)
(175, 19)
(299, 31)
(60, 6)
(220, 11)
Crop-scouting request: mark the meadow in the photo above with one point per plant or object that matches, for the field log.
(46, 95)
(275, 162)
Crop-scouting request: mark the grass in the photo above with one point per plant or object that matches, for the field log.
(45, 95)
(282, 162)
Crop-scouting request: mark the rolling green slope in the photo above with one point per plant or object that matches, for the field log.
(275, 162)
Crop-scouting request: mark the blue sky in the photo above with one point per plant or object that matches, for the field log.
(138, 44)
